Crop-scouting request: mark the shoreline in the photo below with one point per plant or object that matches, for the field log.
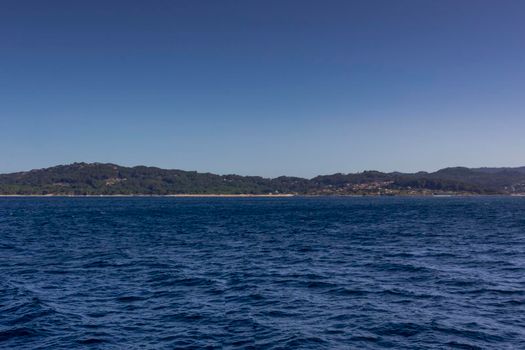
(289, 195)
(152, 195)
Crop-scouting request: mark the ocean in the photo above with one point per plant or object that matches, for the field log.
(262, 273)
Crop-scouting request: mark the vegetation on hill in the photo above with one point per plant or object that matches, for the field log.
(111, 179)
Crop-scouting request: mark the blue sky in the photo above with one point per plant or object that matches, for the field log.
(263, 87)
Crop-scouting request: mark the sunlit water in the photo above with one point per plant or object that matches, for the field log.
(283, 273)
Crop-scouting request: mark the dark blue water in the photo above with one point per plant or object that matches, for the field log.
(286, 273)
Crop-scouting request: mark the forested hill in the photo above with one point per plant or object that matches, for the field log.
(111, 179)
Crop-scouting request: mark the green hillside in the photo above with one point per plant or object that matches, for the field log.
(111, 179)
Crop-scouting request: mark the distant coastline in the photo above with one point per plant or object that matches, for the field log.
(104, 180)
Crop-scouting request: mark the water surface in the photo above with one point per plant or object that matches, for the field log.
(262, 273)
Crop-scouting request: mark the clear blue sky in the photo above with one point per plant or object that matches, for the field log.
(263, 87)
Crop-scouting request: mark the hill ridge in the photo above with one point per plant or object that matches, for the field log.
(96, 178)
